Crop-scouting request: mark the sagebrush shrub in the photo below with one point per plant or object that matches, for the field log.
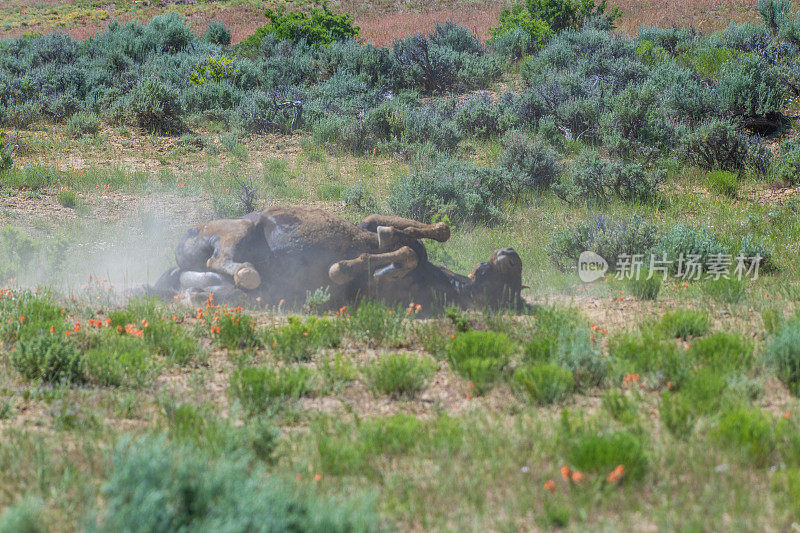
(750, 87)
(513, 43)
(6, 157)
(576, 351)
(609, 237)
(772, 11)
(400, 374)
(788, 167)
(782, 353)
(217, 33)
(670, 39)
(681, 95)
(478, 116)
(21, 116)
(750, 249)
(168, 32)
(358, 197)
(691, 243)
(636, 124)
(156, 106)
(450, 56)
(530, 163)
(718, 145)
(369, 63)
(156, 485)
(593, 180)
(447, 187)
(24, 516)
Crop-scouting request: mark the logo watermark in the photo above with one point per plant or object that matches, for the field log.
(591, 267)
(688, 267)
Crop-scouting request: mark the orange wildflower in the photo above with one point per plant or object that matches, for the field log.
(577, 476)
(565, 473)
(615, 475)
(786, 415)
(550, 485)
(22, 319)
(317, 477)
(630, 379)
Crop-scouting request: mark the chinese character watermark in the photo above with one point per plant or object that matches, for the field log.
(687, 267)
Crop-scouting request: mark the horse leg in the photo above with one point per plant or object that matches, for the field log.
(394, 264)
(213, 246)
(396, 231)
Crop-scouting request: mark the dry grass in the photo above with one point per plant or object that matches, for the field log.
(380, 22)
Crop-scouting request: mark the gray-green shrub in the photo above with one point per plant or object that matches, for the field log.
(609, 237)
(217, 33)
(782, 353)
(447, 187)
(154, 485)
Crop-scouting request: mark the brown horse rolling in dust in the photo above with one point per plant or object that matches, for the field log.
(281, 253)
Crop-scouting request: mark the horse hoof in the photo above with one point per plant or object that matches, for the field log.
(247, 278)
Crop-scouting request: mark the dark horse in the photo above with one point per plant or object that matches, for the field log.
(281, 254)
